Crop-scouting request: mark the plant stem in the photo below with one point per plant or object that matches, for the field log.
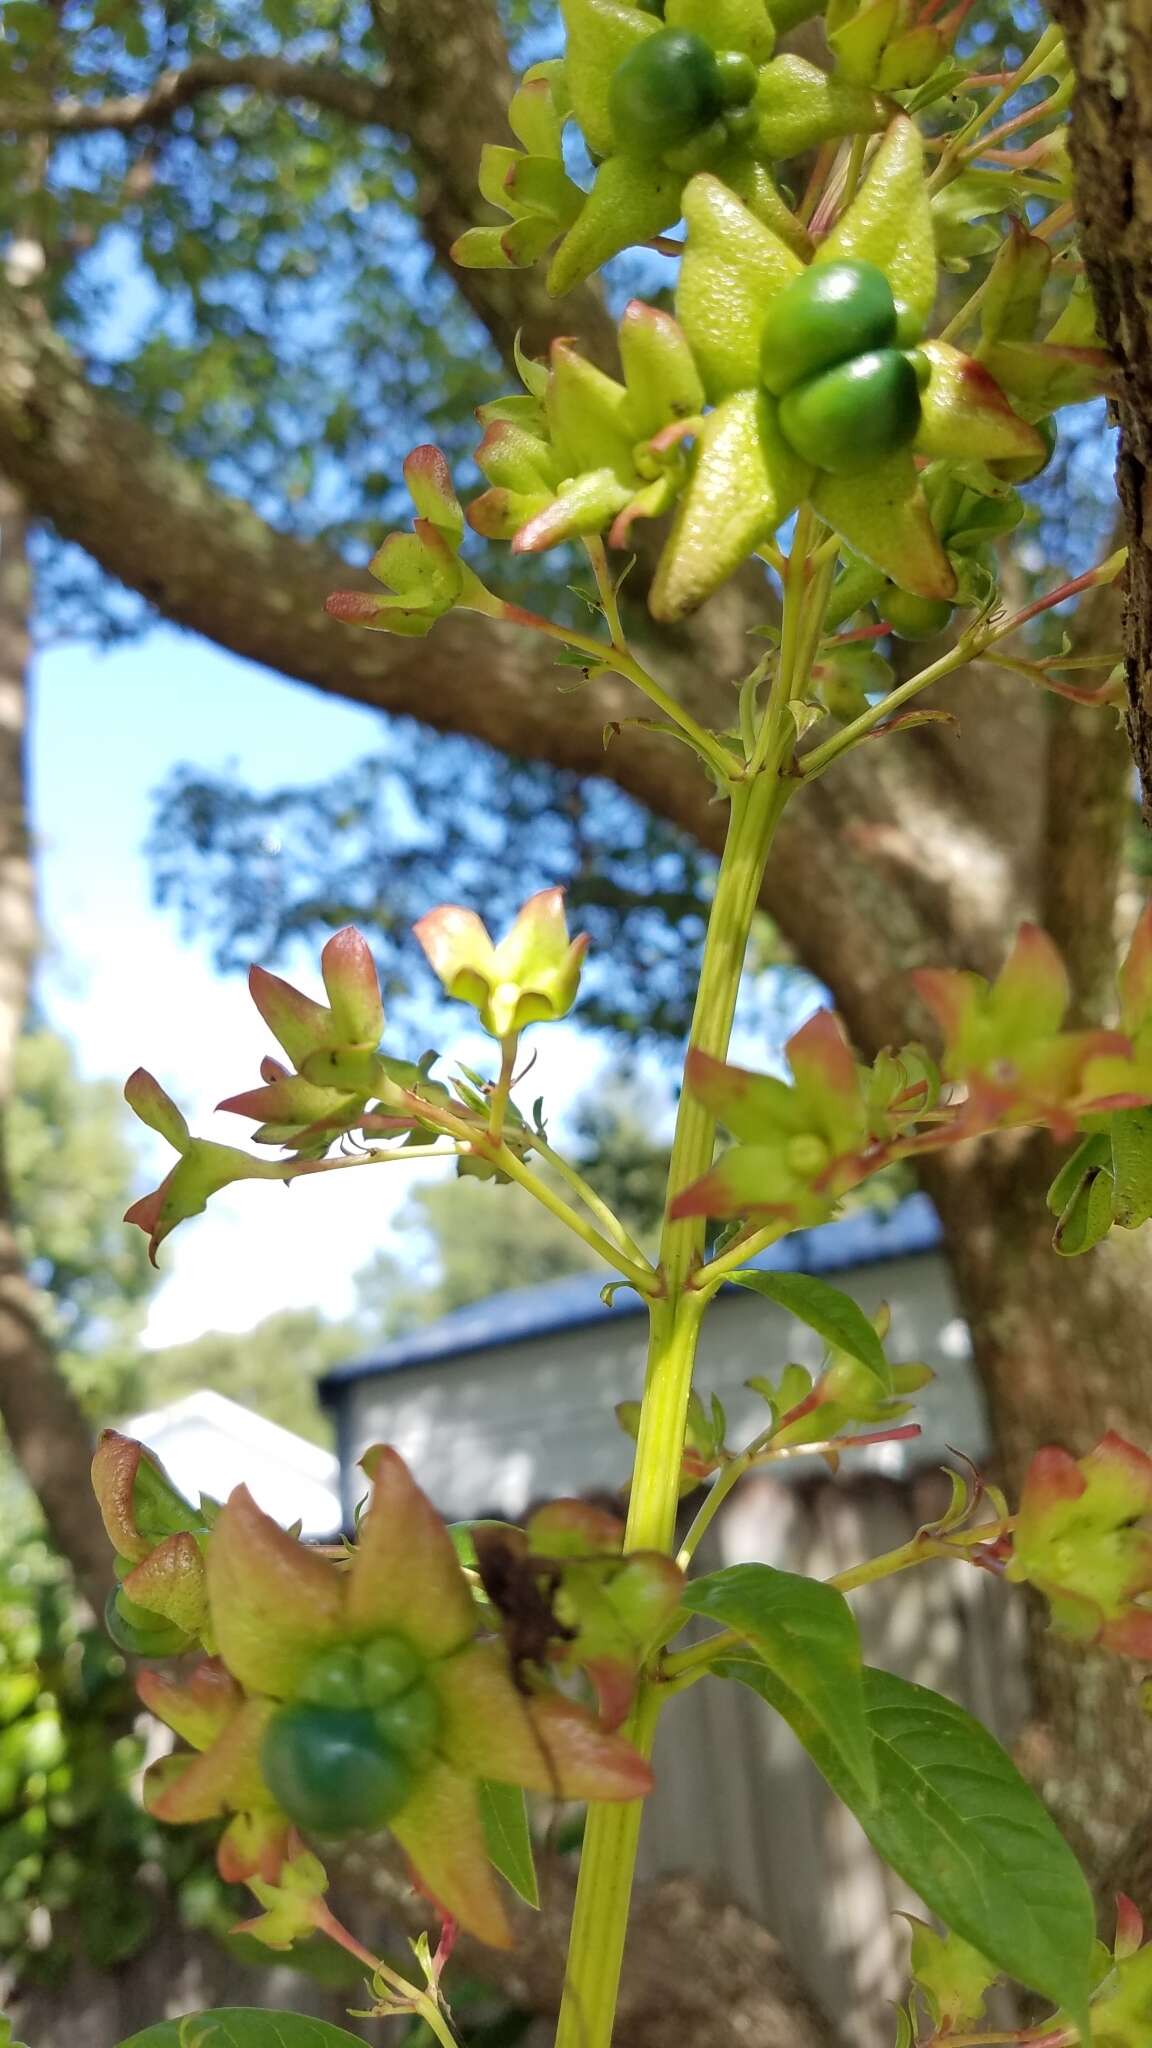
(638, 1272)
(721, 1487)
(498, 1107)
(593, 1202)
(739, 1253)
(600, 1919)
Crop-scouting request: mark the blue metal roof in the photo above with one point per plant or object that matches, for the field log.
(865, 1238)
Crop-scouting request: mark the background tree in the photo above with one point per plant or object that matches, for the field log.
(276, 191)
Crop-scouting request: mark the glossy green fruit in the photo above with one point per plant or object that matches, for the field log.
(735, 78)
(849, 417)
(389, 1666)
(665, 92)
(336, 1679)
(412, 1722)
(332, 1770)
(912, 617)
(830, 312)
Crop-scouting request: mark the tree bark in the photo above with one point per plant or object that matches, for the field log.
(1111, 48)
(699, 1971)
(46, 1428)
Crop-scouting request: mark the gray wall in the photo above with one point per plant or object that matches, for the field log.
(497, 1429)
(736, 1800)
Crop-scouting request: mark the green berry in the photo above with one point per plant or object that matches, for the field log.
(332, 1770)
(335, 1679)
(664, 93)
(735, 77)
(830, 312)
(912, 617)
(411, 1722)
(389, 1666)
(849, 417)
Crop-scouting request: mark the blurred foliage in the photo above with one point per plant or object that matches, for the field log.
(83, 1870)
(379, 844)
(72, 1170)
(460, 1241)
(271, 1368)
(252, 281)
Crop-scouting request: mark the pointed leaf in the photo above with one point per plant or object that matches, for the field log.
(965, 415)
(275, 1604)
(404, 1573)
(889, 223)
(834, 1316)
(954, 1819)
(630, 201)
(799, 105)
(439, 1828)
(808, 1646)
(745, 481)
(243, 2027)
(733, 266)
(884, 516)
(504, 1817)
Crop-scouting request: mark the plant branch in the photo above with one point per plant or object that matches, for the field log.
(362, 100)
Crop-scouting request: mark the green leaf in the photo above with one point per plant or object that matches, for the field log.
(833, 1315)
(243, 2027)
(954, 1818)
(505, 1817)
(805, 1636)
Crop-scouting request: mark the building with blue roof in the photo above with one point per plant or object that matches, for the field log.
(513, 1398)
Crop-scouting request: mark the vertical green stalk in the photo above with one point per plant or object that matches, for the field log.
(600, 1919)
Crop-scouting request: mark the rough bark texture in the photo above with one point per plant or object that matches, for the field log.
(45, 1426)
(1111, 47)
(699, 1970)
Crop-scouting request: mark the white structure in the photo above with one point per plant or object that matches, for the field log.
(513, 1400)
(209, 1444)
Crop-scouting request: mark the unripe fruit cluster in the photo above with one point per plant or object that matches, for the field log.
(342, 1757)
(673, 88)
(849, 394)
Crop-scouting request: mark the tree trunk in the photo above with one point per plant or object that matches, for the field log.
(45, 1426)
(1063, 1351)
(1112, 150)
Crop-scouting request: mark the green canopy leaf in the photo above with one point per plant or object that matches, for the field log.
(954, 1818)
(833, 1315)
(805, 1638)
(243, 2027)
(504, 1813)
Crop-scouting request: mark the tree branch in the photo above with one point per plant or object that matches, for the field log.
(212, 564)
(362, 100)
(45, 1426)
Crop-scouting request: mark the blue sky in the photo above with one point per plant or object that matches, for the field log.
(124, 986)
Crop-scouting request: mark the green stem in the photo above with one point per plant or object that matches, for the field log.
(640, 1273)
(727, 1477)
(595, 1203)
(600, 1919)
(965, 650)
(739, 1253)
(498, 1107)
